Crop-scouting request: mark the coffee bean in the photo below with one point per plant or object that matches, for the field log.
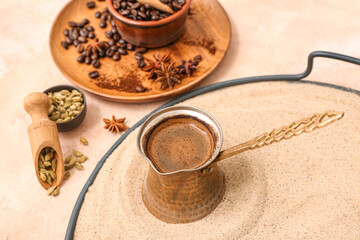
(76, 42)
(197, 58)
(112, 22)
(94, 56)
(155, 17)
(108, 34)
(116, 56)
(66, 32)
(81, 58)
(125, 12)
(111, 42)
(68, 40)
(176, 5)
(80, 48)
(123, 4)
(147, 6)
(116, 37)
(110, 52)
(133, 12)
(104, 16)
(122, 51)
(84, 22)
(142, 14)
(94, 74)
(116, 5)
(102, 24)
(115, 48)
(138, 56)
(140, 63)
(82, 39)
(91, 4)
(140, 89)
(130, 47)
(88, 60)
(90, 28)
(98, 14)
(105, 10)
(91, 35)
(141, 50)
(72, 24)
(102, 53)
(121, 41)
(113, 30)
(65, 45)
(83, 32)
(74, 34)
(96, 63)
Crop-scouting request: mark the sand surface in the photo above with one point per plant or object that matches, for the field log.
(305, 188)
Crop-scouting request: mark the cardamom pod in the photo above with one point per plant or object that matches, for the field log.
(47, 164)
(68, 167)
(77, 153)
(82, 159)
(54, 164)
(50, 190)
(83, 141)
(79, 166)
(73, 160)
(56, 191)
(43, 176)
(68, 158)
(66, 175)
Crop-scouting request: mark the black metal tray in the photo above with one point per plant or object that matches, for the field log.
(291, 78)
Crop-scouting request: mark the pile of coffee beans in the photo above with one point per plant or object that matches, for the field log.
(91, 51)
(78, 33)
(144, 12)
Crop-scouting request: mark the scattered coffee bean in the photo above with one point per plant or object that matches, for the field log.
(94, 74)
(130, 47)
(65, 45)
(97, 14)
(111, 42)
(109, 34)
(81, 58)
(116, 56)
(138, 56)
(80, 48)
(96, 63)
(102, 24)
(84, 22)
(68, 40)
(76, 43)
(83, 32)
(140, 89)
(66, 32)
(141, 63)
(122, 51)
(140, 50)
(82, 39)
(90, 4)
(88, 60)
(91, 35)
(72, 24)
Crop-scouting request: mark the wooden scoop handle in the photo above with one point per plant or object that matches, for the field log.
(294, 129)
(37, 105)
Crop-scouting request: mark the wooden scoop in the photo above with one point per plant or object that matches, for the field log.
(43, 133)
(158, 5)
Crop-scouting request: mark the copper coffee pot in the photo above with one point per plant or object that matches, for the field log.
(188, 195)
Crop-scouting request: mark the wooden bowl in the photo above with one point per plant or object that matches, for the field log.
(151, 34)
(72, 123)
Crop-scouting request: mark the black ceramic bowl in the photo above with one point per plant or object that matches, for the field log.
(72, 123)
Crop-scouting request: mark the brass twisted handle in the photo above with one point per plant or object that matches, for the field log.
(294, 129)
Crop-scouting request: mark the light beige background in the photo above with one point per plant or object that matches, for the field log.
(269, 37)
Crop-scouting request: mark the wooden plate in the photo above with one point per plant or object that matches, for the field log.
(208, 32)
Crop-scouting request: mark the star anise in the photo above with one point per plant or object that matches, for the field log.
(188, 67)
(95, 47)
(168, 76)
(117, 125)
(155, 65)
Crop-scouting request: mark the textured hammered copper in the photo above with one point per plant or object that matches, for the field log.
(188, 195)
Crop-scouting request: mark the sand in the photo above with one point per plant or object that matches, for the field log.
(307, 187)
